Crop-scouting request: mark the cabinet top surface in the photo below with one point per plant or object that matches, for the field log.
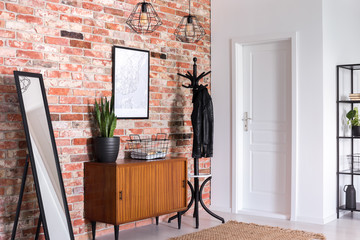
(135, 161)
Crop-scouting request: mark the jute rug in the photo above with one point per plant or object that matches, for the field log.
(233, 230)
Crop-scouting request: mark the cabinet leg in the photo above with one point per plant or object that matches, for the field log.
(157, 220)
(116, 229)
(179, 219)
(93, 229)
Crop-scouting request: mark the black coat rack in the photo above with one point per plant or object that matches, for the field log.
(196, 193)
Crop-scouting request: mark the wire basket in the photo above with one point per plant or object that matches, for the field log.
(148, 148)
(356, 161)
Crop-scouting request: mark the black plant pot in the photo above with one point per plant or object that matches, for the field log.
(355, 131)
(106, 149)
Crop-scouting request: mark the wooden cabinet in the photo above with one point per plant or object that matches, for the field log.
(130, 190)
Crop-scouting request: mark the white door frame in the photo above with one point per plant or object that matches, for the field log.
(237, 110)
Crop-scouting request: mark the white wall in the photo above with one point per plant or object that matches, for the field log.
(341, 46)
(237, 18)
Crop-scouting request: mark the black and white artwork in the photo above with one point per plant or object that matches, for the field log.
(131, 82)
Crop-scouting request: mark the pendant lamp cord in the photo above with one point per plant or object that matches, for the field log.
(189, 7)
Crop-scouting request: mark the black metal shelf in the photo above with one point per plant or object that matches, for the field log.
(350, 66)
(351, 173)
(348, 101)
(348, 172)
(342, 207)
(350, 137)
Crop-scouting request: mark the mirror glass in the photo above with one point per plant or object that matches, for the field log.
(43, 155)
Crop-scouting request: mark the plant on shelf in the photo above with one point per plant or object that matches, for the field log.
(353, 121)
(107, 146)
(105, 117)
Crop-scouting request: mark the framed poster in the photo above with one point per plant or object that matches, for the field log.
(131, 82)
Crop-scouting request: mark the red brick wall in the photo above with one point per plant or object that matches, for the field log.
(69, 42)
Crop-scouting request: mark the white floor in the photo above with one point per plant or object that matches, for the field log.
(346, 228)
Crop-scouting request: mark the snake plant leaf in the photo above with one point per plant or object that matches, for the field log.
(112, 104)
(102, 105)
(107, 111)
(112, 125)
(103, 129)
(107, 122)
(105, 117)
(97, 114)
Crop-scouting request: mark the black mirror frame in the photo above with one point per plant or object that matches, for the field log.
(17, 74)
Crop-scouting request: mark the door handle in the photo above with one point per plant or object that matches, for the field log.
(246, 121)
(120, 195)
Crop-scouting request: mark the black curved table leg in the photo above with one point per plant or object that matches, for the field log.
(190, 203)
(196, 197)
(203, 204)
(179, 219)
(192, 197)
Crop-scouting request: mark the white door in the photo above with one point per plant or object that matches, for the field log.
(267, 138)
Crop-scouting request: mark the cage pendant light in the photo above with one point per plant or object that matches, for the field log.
(189, 29)
(144, 18)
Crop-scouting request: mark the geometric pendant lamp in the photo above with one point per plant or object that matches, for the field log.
(144, 18)
(189, 29)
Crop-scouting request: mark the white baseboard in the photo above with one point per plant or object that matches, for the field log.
(316, 220)
(220, 209)
(330, 218)
(263, 214)
(250, 212)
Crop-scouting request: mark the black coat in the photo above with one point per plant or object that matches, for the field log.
(202, 119)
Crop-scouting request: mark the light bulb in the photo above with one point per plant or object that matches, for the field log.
(144, 21)
(189, 29)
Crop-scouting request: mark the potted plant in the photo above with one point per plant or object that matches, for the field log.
(106, 146)
(353, 116)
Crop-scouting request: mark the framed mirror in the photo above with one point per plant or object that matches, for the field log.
(43, 155)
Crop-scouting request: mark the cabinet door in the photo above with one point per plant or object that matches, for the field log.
(171, 186)
(136, 192)
(99, 192)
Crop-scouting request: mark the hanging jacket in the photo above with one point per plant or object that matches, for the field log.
(202, 119)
